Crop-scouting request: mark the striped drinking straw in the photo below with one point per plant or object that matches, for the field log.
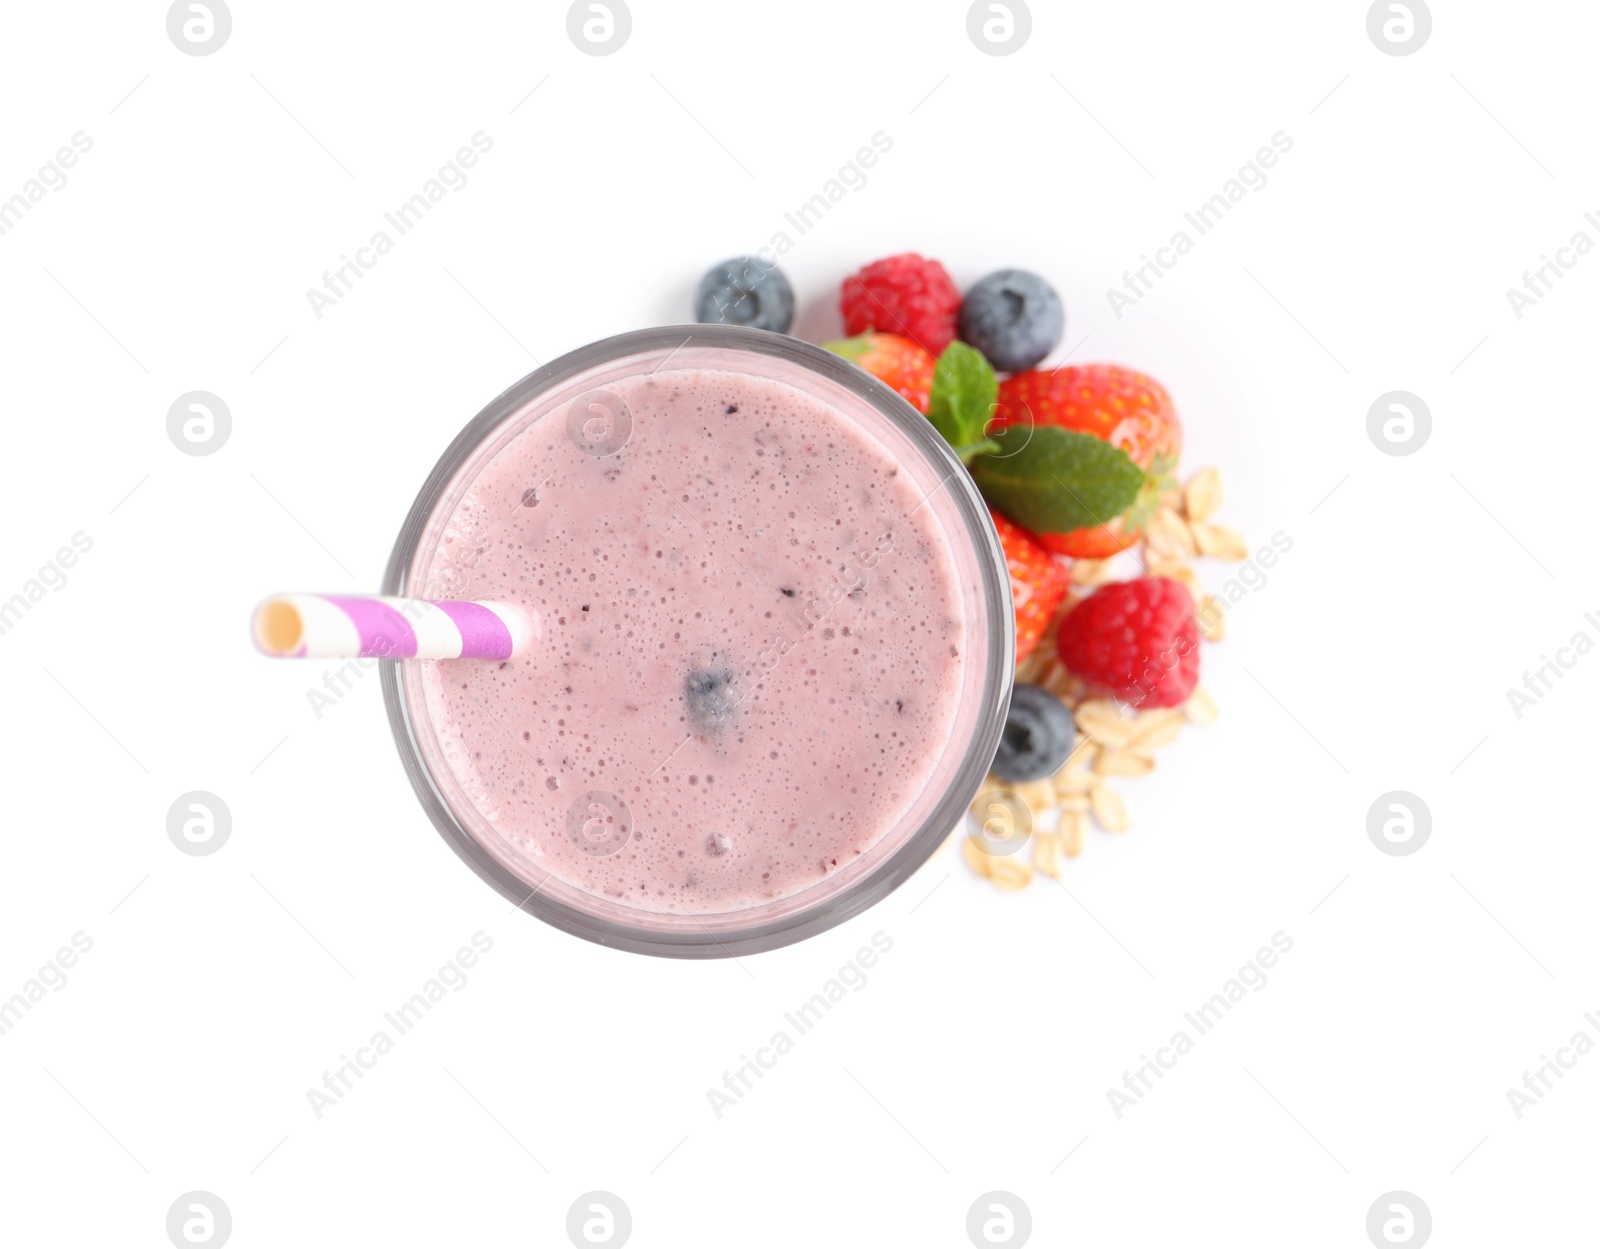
(336, 626)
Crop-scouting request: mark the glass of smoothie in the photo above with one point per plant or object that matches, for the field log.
(775, 646)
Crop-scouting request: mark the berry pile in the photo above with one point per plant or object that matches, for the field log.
(1079, 467)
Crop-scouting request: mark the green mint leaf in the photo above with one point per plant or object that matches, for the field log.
(1054, 480)
(963, 397)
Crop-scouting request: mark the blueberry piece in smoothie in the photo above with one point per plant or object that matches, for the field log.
(709, 693)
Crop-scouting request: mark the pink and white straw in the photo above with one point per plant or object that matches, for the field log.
(334, 626)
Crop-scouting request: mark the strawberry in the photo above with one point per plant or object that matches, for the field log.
(1038, 583)
(1117, 405)
(897, 362)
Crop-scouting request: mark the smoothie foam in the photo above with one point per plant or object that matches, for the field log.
(753, 638)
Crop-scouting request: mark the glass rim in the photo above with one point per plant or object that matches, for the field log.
(999, 656)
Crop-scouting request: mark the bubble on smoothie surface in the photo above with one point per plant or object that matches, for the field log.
(754, 638)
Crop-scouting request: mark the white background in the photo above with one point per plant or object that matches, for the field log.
(978, 1056)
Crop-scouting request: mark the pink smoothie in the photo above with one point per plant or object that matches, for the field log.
(752, 638)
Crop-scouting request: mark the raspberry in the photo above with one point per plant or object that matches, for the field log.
(905, 295)
(1135, 640)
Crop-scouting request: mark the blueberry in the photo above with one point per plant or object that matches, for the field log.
(745, 291)
(1014, 317)
(709, 693)
(1037, 738)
